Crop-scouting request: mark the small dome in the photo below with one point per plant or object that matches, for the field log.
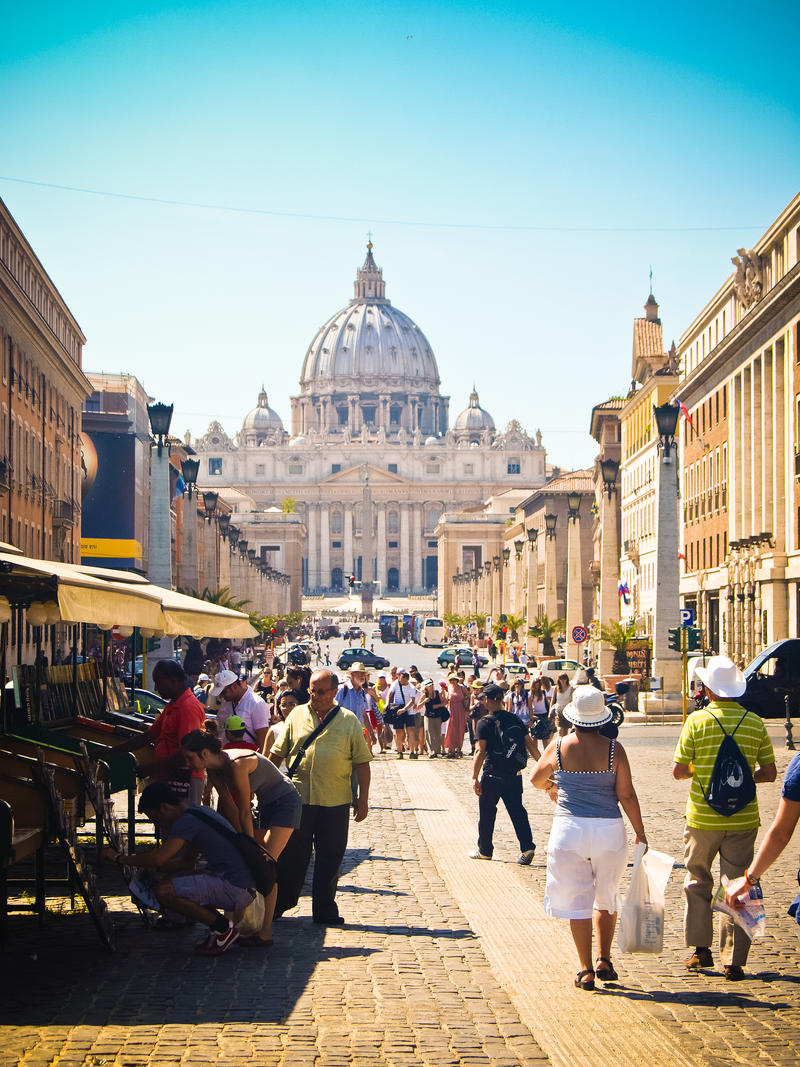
(298, 442)
(474, 419)
(432, 441)
(262, 418)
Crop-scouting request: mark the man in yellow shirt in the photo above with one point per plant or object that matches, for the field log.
(321, 771)
(708, 833)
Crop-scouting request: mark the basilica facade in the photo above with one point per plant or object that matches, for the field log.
(370, 410)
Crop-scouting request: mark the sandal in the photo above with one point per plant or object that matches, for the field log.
(584, 985)
(607, 973)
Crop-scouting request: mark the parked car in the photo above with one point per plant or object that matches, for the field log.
(375, 635)
(353, 632)
(517, 668)
(774, 673)
(551, 668)
(350, 656)
(447, 656)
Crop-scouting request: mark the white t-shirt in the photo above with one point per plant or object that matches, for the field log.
(402, 694)
(252, 709)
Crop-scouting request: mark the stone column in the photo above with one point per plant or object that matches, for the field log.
(381, 549)
(609, 573)
(189, 577)
(383, 408)
(574, 587)
(531, 554)
(159, 569)
(415, 562)
(225, 565)
(550, 579)
(405, 539)
(355, 422)
(313, 546)
(324, 546)
(348, 539)
(666, 662)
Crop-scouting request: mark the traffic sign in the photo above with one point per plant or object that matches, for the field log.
(578, 634)
(687, 616)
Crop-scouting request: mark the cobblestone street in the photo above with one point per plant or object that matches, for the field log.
(443, 960)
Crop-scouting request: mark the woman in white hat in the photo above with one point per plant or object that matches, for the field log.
(588, 776)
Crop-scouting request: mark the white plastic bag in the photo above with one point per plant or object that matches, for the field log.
(641, 921)
(249, 920)
(752, 918)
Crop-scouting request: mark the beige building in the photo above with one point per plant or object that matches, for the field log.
(740, 382)
(605, 428)
(655, 375)
(369, 406)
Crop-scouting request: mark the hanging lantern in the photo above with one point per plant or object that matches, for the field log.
(124, 631)
(37, 613)
(5, 609)
(53, 612)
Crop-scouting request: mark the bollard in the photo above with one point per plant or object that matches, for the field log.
(788, 724)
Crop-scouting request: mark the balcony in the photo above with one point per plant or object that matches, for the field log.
(63, 514)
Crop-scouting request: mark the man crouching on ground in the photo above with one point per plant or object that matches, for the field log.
(226, 883)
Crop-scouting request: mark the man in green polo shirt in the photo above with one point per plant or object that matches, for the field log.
(322, 777)
(708, 834)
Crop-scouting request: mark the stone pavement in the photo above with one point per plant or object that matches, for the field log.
(444, 960)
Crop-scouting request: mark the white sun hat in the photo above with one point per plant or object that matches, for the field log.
(587, 707)
(222, 681)
(722, 677)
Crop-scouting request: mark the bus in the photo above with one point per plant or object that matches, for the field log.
(390, 628)
(432, 632)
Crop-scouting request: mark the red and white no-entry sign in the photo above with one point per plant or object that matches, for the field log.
(578, 634)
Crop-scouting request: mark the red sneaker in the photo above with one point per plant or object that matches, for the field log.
(218, 943)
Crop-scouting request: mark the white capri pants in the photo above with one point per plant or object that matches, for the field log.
(585, 861)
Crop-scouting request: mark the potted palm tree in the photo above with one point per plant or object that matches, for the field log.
(619, 636)
(546, 629)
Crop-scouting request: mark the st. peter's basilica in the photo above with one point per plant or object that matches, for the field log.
(369, 407)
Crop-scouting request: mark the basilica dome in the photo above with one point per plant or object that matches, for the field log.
(262, 419)
(367, 342)
(474, 419)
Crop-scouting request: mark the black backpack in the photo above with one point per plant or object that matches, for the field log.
(257, 860)
(511, 752)
(731, 786)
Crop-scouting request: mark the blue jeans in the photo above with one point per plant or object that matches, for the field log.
(507, 788)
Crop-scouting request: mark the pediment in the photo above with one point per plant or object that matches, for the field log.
(354, 475)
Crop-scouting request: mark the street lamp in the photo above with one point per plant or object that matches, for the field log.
(666, 416)
(233, 534)
(160, 416)
(506, 555)
(487, 566)
(210, 504)
(189, 471)
(609, 469)
(224, 522)
(242, 548)
(518, 546)
(496, 561)
(573, 506)
(251, 555)
(550, 526)
(533, 534)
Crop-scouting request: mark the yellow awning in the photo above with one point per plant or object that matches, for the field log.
(83, 598)
(199, 618)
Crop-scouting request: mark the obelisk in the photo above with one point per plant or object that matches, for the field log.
(367, 548)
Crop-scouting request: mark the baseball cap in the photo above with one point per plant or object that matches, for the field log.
(234, 723)
(222, 681)
(203, 678)
(494, 692)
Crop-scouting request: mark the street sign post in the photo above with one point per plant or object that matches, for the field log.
(578, 634)
(687, 616)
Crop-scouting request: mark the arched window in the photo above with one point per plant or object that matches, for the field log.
(393, 578)
(337, 578)
(336, 522)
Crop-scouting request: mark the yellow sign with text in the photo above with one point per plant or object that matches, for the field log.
(111, 547)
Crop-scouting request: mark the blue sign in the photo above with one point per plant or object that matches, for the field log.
(687, 616)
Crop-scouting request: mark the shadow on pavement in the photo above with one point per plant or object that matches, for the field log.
(722, 998)
(61, 976)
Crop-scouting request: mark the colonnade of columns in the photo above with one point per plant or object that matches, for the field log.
(407, 558)
(322, 413)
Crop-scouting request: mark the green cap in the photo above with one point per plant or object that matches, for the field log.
(234, 723)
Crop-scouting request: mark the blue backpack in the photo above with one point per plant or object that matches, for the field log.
(731, 786)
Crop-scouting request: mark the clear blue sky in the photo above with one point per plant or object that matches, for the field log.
(597, 139)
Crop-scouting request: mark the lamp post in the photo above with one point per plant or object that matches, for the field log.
(209, 541)
(666, 662)
(574, 614)
(550, 577)
(609, 556)
(531, 582)
(159, 562)
(189, 471)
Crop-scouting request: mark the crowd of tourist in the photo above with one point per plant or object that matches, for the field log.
(284, 757)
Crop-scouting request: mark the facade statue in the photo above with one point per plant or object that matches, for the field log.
(748, 280)
(381, 434)
(346, 438)
(417, 437)
(364, 434)
(538, 438)
(402, 436)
